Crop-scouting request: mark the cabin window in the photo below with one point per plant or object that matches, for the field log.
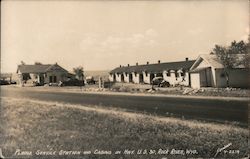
(168, 73)
(50, 79)
(183, 73)
(176, 74)
(55, 79)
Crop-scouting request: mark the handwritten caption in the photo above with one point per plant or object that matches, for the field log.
(20, 152)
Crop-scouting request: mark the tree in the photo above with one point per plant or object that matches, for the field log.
(226, 57)
(79, 74)
(22, 63)
(229, 56)
(38, 63)
(246, 58)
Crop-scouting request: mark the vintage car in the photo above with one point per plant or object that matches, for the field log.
(90, 80)
(160, 82)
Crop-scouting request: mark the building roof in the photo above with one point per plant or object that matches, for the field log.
(55, 67)
(214, 61)
(155, 68)
(39, 68)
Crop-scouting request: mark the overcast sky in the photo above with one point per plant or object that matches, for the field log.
(102, 35)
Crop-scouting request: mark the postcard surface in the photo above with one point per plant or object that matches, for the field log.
(124, 79)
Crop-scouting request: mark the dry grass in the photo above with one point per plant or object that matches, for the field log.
(36, 125)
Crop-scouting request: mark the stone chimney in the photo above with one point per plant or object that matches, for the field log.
(186, 58)
(120, 65)
(147, 62)
(136, 63)
(128, 65)
(159, 61)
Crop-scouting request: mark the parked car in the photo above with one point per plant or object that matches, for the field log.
(73, 82)
(4, 82)
(160, 82)
(90, 80)
(13, 82)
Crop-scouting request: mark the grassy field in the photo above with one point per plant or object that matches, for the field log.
(54, 129)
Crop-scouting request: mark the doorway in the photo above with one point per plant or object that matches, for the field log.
(130, 78)
(140, 78)
(122, 77)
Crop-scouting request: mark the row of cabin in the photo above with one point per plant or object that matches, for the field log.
(205, 71)
(173, 72)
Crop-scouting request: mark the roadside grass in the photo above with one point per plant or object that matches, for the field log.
(36, 125)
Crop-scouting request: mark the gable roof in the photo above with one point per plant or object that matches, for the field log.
(55, 67)
(213, 61)
(155, 68)
(39, 68)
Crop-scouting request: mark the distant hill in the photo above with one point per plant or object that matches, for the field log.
(97, 73)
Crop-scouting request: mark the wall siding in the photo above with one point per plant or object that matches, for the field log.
(195, 80)
(146, 77)
(111, 78)
(60, 76)
(237, 78)
(135, 77)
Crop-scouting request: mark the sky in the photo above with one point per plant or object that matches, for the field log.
(101, 35)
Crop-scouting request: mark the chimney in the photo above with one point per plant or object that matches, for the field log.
(120, 65)
(128, 65)
(147, 62)
(136, 63)
(186, 58)
(159, 61)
